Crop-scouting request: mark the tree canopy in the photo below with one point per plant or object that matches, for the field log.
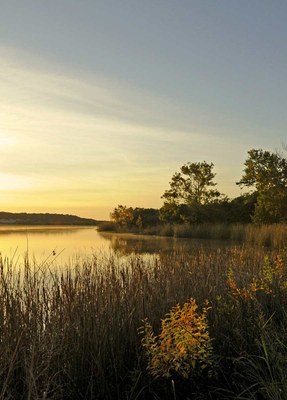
(122, 215)
(129, 217)
(266, 172)
(192, 197)
(192, 185)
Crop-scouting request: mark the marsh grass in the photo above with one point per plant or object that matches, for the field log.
(72, 333)
(274, 235)
(263, 235)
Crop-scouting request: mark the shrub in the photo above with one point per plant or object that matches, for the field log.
(183, 346)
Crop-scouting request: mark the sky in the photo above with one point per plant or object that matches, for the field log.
(101, 102)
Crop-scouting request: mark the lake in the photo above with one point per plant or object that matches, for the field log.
(62, 244)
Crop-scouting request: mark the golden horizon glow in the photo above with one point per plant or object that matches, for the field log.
(83, 145)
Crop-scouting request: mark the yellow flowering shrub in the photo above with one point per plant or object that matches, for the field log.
(183, 346)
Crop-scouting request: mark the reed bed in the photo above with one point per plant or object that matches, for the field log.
(263, 235)
(274, 235)
(73, 332)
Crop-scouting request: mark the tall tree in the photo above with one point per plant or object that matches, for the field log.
(122, 215)
(266, 173)
(191, 190)
(192, 185)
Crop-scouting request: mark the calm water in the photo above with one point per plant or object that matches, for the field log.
(63, 244)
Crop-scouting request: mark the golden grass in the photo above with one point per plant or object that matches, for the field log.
(263, 235)
(73, 333)
(274, 235)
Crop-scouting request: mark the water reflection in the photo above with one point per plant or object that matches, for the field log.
(126, 244)
(67, 243)
(59, 242)
(38, 230)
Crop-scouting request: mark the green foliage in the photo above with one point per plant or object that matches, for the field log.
(266, 172)
(241, 208)
(192, 185)
(137, 218)
(122, 215)
(181, 213)
(183, 346)
(271, 206)
(191, 197)
(145, 217)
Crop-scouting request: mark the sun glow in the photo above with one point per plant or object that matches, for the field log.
(10, 182)
(5, 139)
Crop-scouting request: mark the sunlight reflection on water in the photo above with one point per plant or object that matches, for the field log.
(67, 244)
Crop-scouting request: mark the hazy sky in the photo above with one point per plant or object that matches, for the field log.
(102, 101)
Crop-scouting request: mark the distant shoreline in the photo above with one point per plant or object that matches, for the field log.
(12, 219)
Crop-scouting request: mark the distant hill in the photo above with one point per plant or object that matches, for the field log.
(7, 218)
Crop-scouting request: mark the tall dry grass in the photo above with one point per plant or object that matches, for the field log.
(274, 235)
(72, 333)
(264, 235)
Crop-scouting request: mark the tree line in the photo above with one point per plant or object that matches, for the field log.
(192, 197)
(7, 218)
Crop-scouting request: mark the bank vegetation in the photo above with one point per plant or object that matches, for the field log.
(204, 325)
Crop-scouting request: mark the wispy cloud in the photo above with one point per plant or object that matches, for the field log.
(91, 135)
